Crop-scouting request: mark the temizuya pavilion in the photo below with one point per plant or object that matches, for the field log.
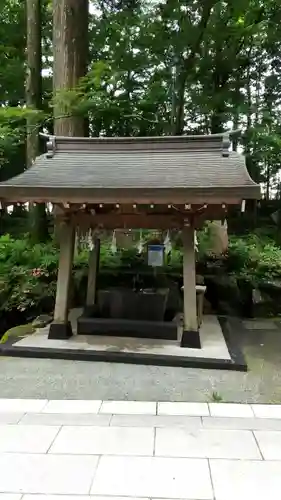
(135, 182)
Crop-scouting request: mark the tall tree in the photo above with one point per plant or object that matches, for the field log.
(70, 50)
(38, 217)
(156, 67)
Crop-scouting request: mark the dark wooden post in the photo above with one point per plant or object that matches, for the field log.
(61, 327)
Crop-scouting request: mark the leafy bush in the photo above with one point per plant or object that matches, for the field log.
(254, 259)
(28, 273)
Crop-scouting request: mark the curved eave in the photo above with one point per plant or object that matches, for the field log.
(228, 195)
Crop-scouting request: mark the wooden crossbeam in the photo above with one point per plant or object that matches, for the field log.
(130, 221)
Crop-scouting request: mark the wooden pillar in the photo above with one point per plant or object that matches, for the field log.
(61, 327)
(190, 335)
(92, 274)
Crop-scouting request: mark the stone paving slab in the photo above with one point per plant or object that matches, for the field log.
(28, 439)
(269, 444)
(206, 443)
(268, 424)
(92, 450)
(104, 441)
(22, 405)
(189, 409)
(156, 421)
(71, 497)
(246, 479)
(153, 477)
(129, 407)
(267, 411)
(10, 418)
(9, 409)
(63, 419)
(32, 473)
(10, 496)
(74, 406)
(230, 410)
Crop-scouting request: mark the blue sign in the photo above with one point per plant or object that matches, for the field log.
(155, 255)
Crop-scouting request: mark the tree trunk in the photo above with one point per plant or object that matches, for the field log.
(38, 217)
(220, 78)
(179, 117)
(70, 49)
(268, 178)
(236, 117)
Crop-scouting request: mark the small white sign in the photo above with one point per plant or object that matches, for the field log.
(155, 255)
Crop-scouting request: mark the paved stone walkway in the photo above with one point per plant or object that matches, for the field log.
(74, 450)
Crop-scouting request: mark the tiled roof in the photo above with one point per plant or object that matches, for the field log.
(170, 163)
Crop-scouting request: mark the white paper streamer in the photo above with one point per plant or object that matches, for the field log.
(113, 243)
(195, 242)
(140, 244)
(167, 243)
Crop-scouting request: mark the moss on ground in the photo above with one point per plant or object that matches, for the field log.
(18, 331)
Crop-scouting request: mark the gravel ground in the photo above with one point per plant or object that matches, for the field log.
(55, 379)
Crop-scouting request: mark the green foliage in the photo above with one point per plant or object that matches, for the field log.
(12, 128)
(12, 51)
(18, 331)
(216, 397)
(28, 272)
(254, 259)
(204, 242)
(158, 68)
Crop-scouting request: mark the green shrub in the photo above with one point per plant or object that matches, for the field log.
(18, 331)
(254, 259)
(28, 273)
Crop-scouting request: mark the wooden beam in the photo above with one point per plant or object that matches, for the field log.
(130, 221)
(198, 212)
(118, 220)
(231, 196)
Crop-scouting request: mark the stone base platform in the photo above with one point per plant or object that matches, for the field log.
(218, 348)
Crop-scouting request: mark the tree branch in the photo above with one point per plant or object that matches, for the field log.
(188, 63)
(206, 13)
